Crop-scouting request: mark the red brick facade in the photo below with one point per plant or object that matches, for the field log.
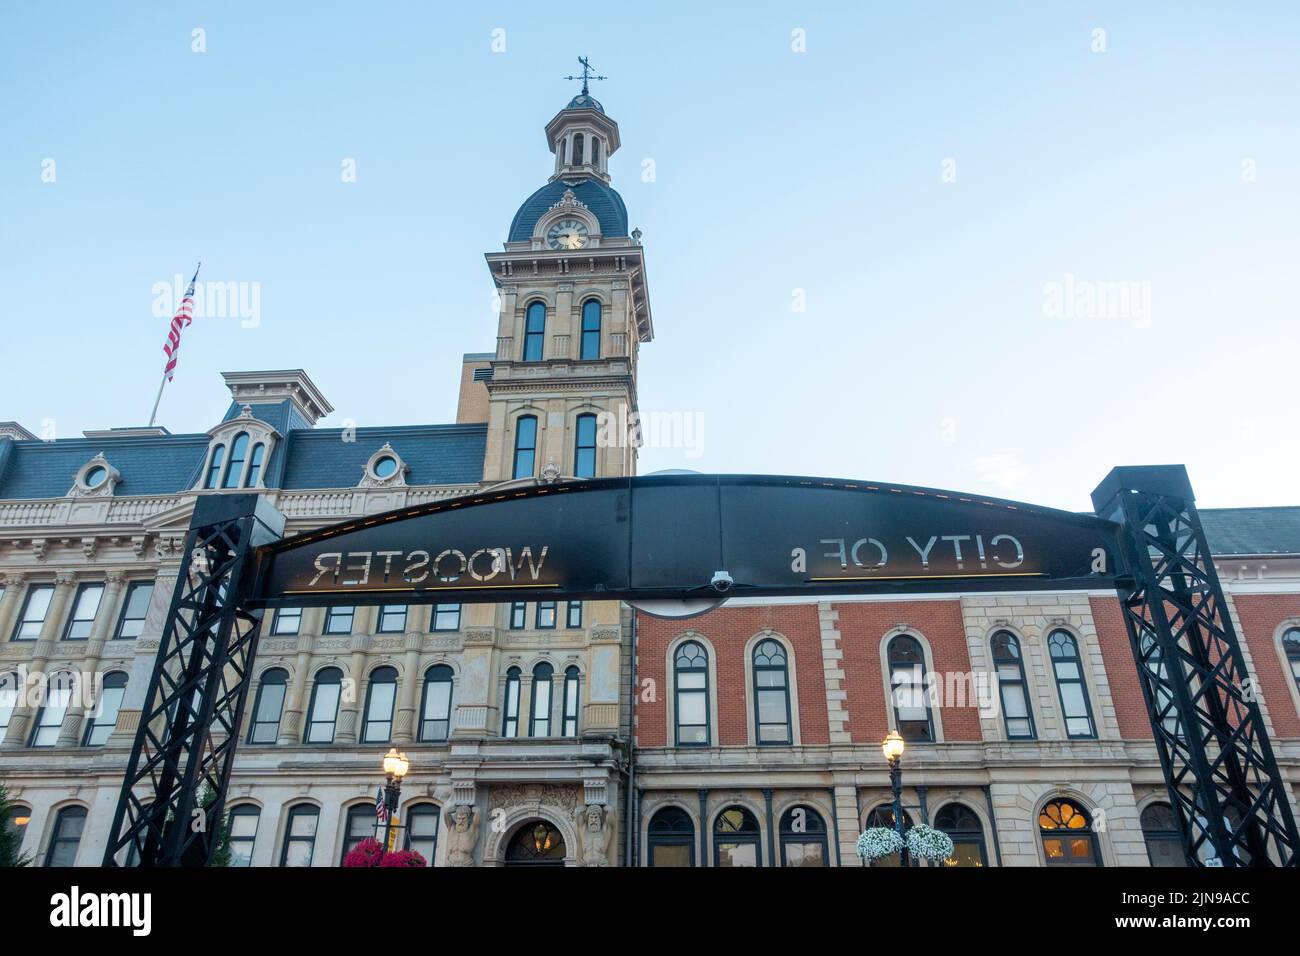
(1121, 674)
(1260, 616)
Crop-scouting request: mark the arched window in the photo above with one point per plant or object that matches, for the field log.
(771, 693)
(362, 825)
(1163, 838)
(577, 149)
(381, 696)
(510, 712)
(49, 718)
(422, 830)
(671, 839)
(534, 331)
(324, 709)
(590, 330)
(595, 151)
(960, 823)
(214, 467)
(1291, 644)
(883, 816)
(536, 844)
(65, 838)
(1075, 705)
(255, 465)
(235, 467)
(300, 835)
(1010, 666)
(539, 718)
(268, 706)
(736, 839)
(803, 838)
(907, 684)
(1067, 835)
(584, 455)
(435, 709)
(525, 447)
(16, 822)
(571, 697)
(243, 833)
(691, 686)
(103, 718)
(10, 683)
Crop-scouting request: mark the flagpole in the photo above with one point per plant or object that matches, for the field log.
(153, 415)
(157, 399)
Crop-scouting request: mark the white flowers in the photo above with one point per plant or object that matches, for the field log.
(927, 843)
(923, 842)
(878, 842)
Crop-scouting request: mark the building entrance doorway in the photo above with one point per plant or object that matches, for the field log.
(536, 843)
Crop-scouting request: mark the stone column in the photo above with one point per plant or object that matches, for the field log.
(70, 732)
(600, 715)
(349, 710)
(13, 582)
(406, 720)
(295, 697)
(567, 325)
(476, 711)
(19, 721)
(146, 653)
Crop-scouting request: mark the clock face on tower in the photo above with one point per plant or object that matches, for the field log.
(567, 234)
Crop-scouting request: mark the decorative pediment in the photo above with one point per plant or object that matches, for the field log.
(384, 469)
(95, 479)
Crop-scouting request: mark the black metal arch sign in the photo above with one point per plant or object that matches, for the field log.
(690, 536)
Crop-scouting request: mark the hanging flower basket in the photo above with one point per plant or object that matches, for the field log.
(927, 843)
(878, 842)
(371, 853)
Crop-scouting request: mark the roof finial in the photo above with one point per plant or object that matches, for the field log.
(586, 74)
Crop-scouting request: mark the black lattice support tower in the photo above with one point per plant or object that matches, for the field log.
(1224, 784)
(194, 705)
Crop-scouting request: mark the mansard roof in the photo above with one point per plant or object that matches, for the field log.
(306, 458)
(601, 200)
(1252, 531)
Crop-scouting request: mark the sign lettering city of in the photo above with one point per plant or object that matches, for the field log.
(676, 537)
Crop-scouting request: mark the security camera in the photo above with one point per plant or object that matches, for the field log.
(721, 582)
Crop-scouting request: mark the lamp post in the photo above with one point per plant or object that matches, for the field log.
(395, 767)
(892, 747)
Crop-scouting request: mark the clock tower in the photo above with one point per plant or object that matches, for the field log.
(574, 310)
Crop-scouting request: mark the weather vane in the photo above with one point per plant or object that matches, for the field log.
(586, 74)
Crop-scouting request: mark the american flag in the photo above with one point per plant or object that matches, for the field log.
(183, 317)
(381, 807)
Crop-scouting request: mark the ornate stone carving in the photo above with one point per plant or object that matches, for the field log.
(39, 548)
(370, 477)
(88, 547)
(462, 826)
(550, 473)
(535, 795)
(106, 481)
(594, 826)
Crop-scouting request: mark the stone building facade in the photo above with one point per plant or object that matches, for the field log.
(578, 733)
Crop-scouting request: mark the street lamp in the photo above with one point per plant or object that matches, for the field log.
(892, 747)
(395, 767)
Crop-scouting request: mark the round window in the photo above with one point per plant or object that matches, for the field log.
(95, 476)
(386, 467)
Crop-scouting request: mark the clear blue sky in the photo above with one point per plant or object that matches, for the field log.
(924, 354)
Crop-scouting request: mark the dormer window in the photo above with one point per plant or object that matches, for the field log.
(214, 469)
(96, 478)
(255, 465)
(239, 452)
(235, 467)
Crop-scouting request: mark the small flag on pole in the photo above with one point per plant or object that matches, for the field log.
(381, 807)
(183, 317)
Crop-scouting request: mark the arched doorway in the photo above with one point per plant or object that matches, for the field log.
(536, 843)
